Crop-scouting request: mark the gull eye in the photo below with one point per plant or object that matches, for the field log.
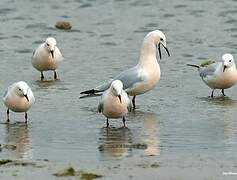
(47, 44)
(161, 39)
(229, 60)
(19, 89)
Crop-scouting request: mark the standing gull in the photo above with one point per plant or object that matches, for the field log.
(115, 102)
(145, 75)
(47, 57)
(18, 98)
(218, 75)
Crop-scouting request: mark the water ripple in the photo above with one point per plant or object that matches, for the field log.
(4, 11)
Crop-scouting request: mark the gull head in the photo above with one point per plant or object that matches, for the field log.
(228, 61)
(21, 89)
(50, 44)
(116, 88)
(158, 38)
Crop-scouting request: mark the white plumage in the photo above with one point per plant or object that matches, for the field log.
(146, 74)
(47, 57)
(18, 98)
(115, 102)
(219, 75)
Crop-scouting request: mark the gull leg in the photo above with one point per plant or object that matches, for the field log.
(26, 117)
(223, 93)
(212, 93)
(107, 122)
(8, 112)
(133, 102)
(124, 121)
(55, 75)
(42, 76)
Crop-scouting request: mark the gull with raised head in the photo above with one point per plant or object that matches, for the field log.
(18, 98)
(146, 74)
(115, 102)
(218, 75)
(47, 57)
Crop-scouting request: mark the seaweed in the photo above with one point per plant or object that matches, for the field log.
(5, 161)
(66, 172)
(70, 171)
(155, 165)
(89, 175)
(207, 62)
(63, 25)
(9, 162)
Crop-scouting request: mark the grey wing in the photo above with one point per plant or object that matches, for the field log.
(33, 53)
(101, 103)
(5, 93)
(101, 107)
(104, 86)
(128, 78)
(209, 70)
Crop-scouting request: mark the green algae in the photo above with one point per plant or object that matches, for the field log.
(63, 25)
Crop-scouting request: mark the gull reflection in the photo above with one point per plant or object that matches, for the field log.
(18, 141)
(115, 142)
(151, 134)
(220, 101)
(143, 139)
(229, 124)
(46, 84)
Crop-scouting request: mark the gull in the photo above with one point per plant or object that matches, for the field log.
(47, 57)
(218, 75)
(18, 98)
(115, 102)
(146, 74)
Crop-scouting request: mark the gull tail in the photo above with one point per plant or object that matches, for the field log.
(90, 95)
(91, 91)
(96, 91)
(193, 65)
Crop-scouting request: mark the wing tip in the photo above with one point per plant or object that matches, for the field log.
(193, 65)
(91, 91)
(89, 95)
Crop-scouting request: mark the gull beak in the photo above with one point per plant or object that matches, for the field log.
(26, 97)
(166, 49)
(51, 51)
(159, 50)
(119, 96)
(224, 68)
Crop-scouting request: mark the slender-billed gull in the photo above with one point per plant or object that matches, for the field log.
(146, 74)
(47, 57)
(18, 98)
(115, 102)
(218, 75)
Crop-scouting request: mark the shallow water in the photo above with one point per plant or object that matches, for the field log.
(176, 125)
